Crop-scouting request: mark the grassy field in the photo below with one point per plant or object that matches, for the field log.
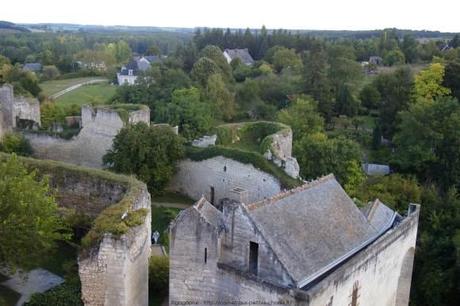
(52, 87)
(99, 93)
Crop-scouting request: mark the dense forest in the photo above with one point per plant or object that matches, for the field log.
(344, 109)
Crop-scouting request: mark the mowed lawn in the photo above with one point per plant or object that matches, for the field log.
(99, 93)
(52, 87)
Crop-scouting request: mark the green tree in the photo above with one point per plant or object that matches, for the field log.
(215, 54)
(50, 72)
(302, 116)
(394, 58)
(220, 97)
(428, 82)
(396, 93)
(318, 155)
(30, 224)
(409, 48)
(286, 58)
(370, 96)
(452, 77)
(159, 274)
(394, 190)
(150, 153)
(15, 143)
(203, 69)
(346, 103)
(188, 111)
(428, 140)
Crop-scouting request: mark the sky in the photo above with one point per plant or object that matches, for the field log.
(441, 15)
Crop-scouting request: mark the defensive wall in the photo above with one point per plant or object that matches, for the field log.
(113, 260)
(100, 125)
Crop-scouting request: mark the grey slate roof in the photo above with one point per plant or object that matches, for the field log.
(311, 226)
(132, 65)
(242, 54)
(33, 67)
(211, 214)
(378, 214)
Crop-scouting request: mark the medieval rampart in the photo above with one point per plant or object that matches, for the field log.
(99, 126)
(113, 261)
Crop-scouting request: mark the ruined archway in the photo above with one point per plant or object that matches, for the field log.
(405, 277)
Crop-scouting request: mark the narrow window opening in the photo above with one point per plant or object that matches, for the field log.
(205, 255)
(225, 168)
(253, 257)
(212, 195)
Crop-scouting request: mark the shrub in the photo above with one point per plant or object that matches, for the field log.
(159, 273)
(16, 143)
(67, 294)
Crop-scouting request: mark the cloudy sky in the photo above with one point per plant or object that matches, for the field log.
(439, 15)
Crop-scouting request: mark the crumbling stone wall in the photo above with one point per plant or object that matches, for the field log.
(14, 108)
(195, 179)
(99, 127)
(114, 271)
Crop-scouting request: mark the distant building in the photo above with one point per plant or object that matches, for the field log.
(129, 73)
(241, 54)
(376, 60)
(34, 67)
(376, 169)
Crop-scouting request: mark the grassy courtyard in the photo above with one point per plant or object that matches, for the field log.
(52, 87)
(99, 93)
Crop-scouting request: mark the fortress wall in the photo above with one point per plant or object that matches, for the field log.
(381, 272)
(113, 272)
(195, 178)
(6, 102)
(282, 144)
(28, 109)
(99, 127)
(117, 272)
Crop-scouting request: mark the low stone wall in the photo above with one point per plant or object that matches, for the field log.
(220, 175)
(99, 127)
(113, 270)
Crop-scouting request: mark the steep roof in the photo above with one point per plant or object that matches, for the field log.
(242, 54)
(211, 214)
(311, 227)
(132, 65)
(378, 214)
(32, 67)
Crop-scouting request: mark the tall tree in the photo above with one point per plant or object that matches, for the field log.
(30, 224)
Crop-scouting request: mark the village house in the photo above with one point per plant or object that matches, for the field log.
(34, 67)
(241, 54)
(128, 74)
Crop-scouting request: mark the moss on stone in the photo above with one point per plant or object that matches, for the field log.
(109, 221)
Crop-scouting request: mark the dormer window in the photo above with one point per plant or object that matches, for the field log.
(130, 72)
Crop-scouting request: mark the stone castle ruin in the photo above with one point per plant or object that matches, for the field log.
(221, 177)
(100, 125)
(307, 246)
(17, 111)
(113, 261)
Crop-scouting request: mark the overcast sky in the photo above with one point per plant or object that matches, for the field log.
(439, 15)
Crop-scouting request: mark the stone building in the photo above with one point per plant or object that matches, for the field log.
(17, 111)
(307, 246)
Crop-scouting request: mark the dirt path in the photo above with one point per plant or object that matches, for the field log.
(73, 87)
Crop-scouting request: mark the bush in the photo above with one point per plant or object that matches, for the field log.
(67, 294)
(16, 143)
(159, 273)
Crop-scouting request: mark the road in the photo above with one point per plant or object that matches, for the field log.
(73, 87)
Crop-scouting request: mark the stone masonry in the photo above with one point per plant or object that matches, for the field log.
(99, 127)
